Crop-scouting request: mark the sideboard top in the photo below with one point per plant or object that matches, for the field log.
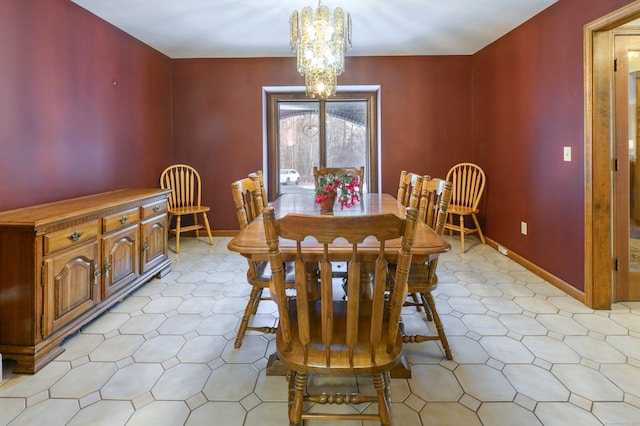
(57, 211)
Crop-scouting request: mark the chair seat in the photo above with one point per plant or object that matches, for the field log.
(263, 272)
(340, 363)
(188, 210)
(462, 210)
(417, 279)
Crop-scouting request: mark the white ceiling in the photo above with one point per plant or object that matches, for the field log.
(260, 28)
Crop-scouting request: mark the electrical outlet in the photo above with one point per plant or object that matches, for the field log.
(567, 153)
(523, 228)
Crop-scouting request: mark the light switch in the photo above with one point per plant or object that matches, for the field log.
(567, 153)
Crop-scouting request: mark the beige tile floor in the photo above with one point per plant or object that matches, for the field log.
(525, 354)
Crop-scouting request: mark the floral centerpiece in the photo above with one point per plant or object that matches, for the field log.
(343, 186)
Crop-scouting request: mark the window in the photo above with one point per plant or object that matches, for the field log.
(305, 132)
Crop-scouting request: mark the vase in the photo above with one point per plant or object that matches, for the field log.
(326, 205)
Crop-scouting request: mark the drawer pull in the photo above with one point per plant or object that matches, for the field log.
(75, 236)
(155, 208)
(145, 247)
(124, 219)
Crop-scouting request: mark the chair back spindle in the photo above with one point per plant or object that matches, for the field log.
(184, 181)
(435, 197)
(259, 178)
(409, 188)
(247, 198)
(468, 184)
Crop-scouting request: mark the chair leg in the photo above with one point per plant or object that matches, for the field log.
(450, 227)
(427, 308)
(383, 389)
(256, 302)
(295, 408)
(178, 217)
(439, 328)
(414, 296)
(462, 233)
(206, 224)
(475, 220)
(419, 302)
(255, 294)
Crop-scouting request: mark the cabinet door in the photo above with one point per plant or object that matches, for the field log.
(70, 285)
(154, 242)
(121, 259)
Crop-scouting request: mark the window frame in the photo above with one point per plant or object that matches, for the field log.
(271, 98)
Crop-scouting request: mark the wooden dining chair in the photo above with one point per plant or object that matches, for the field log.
(468, 185)
(435, 196)
(409, 188)
(329, 336)
(184, 200)
(259, 178)
(248, 202)
(352, 171)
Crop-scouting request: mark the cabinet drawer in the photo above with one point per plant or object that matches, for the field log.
(118, 220)
(154, 209)
(69, 236)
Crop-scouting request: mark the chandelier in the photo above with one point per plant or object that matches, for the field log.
(320, 45)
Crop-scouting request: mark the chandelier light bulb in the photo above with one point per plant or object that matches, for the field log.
(311, 30)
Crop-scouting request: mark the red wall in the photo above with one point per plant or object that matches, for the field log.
(425, 116)
(528, 103)
(65, 128)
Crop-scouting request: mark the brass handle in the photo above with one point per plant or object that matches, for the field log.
(96, 274)
(107, 267)
(145, 247)
(75, 236)
(123, 219)
(155, 208)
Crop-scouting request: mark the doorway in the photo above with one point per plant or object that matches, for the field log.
(626, 176)
(601, 160)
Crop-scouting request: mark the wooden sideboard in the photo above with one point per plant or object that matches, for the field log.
(64, 263)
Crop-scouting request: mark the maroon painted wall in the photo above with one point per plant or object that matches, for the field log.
(528, 103)
(65, 128)
(425, 116)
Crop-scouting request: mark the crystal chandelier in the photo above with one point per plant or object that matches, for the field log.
(320, 47)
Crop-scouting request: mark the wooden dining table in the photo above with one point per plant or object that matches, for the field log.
(251, 242)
